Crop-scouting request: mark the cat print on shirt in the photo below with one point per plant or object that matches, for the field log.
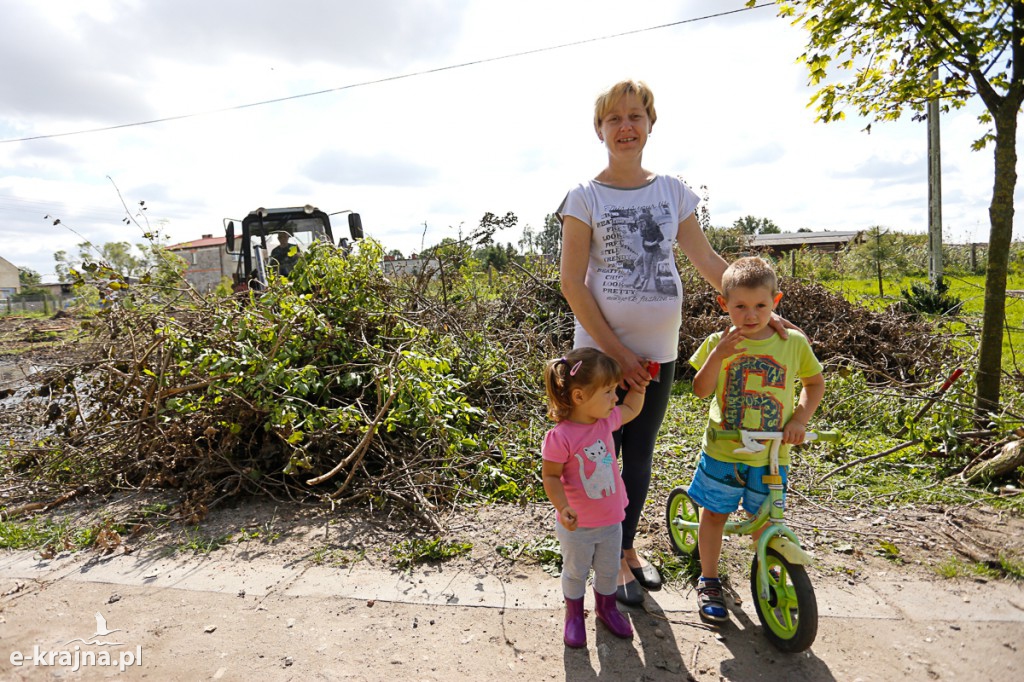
(602, 480)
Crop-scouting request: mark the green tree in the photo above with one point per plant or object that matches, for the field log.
(529, 240)
(495, 255)
(29, 281)
(119, 256)
(704, 210)
(62, 266)
(549, 241)
(893, 48)
(28, 277)
(879, 256)
(730, 242)
(751, 225)
(127, 260)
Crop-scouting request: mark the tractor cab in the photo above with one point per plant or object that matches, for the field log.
(273, 239)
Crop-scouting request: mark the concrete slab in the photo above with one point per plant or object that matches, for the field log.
(234, 573)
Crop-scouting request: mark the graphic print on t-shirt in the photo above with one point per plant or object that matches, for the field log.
(741, 394)
(639, 253)
(601, 482)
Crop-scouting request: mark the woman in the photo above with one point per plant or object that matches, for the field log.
(615, 311)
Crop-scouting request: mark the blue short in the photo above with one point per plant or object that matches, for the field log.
(720, 486)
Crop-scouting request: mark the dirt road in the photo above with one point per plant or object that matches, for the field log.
(252, 611)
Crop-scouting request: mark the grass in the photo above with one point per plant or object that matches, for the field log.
(336, 556)
(28, 315)
(415, 551)
(56, 536)
(266, 532)
(954, 567)
(33, 534)
(199, 543)
(545, 551)
(889, 551)
(675, 568)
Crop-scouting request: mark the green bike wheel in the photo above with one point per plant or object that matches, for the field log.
(790, 614)
(680, 506)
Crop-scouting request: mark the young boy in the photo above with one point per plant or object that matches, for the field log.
(752, 373)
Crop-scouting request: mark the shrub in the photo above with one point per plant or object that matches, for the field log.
(924, 298)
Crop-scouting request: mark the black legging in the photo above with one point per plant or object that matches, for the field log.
(634, 445)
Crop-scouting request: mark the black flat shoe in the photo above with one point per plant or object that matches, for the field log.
(630, 594)
(647, 576)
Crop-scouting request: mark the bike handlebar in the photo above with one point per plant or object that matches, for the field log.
(828, 436)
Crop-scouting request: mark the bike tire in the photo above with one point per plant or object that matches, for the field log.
(684, 542)
(789, 616)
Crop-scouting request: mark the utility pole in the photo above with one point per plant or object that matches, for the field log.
(934, 191)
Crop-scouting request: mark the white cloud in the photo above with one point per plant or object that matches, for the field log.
(420, 156)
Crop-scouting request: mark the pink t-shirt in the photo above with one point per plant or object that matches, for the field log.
(593, 484)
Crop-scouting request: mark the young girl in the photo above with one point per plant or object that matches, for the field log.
(582, 480)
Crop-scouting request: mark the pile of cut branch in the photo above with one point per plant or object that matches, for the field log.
(341, 383)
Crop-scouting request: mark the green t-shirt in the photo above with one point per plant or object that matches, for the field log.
(756, 390)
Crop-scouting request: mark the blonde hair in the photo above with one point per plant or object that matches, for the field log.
(610, 97)
(587, 369)
(750, 272)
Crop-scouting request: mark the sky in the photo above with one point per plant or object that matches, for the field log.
(430, 113)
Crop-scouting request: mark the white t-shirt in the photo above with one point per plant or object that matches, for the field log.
(632, 269)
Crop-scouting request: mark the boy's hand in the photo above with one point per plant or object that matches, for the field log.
(729, 343)
(568, 518)
(794, 433)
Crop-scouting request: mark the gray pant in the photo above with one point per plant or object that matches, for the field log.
(584, 548)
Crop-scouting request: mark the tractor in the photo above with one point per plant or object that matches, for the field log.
(293, 229)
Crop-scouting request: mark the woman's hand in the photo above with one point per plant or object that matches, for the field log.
(634, 369)
(781, 324)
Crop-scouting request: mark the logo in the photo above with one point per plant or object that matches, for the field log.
(90, 653)
(101, 631)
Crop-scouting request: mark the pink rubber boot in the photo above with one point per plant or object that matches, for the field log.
(575, 627)
(608, 613)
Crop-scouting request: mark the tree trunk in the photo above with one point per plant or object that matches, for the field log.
(1006, 462)
(1000, 234)
(878, 261)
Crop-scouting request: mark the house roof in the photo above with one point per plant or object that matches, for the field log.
(798, 238)
(198, 243)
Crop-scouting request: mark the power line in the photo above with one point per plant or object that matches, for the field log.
(387, 79)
